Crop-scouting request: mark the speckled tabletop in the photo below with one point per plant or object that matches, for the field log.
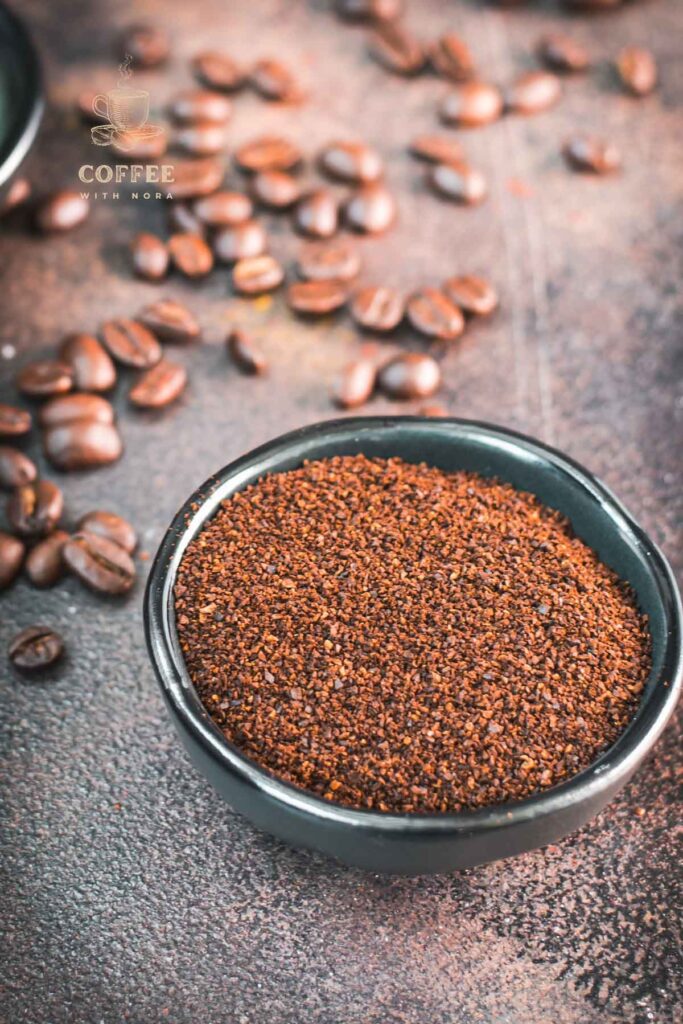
(130, 891)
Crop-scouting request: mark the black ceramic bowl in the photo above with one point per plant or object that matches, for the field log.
(21, 96)
(411, 843)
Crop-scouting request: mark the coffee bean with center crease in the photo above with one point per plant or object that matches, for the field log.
(218, 71)
(396, 49)
(459, 182)
(328, 261)
(637, 70)
(273, 80)
(17, 194)
(147, 44)
(67, 408)
(411, 375)
(62, 211)
(277, 190)
(533, 92)
(99, 563)
(474, 295)
(472, 105)
(245, 354)
(355, 162)
(371, 210)
(191, 255)
(131, 344)
(201, 105)
(593, 155)
(160, 386)
(317, 214)
(368, 10)
(111, 527)
(35, 509)
(45, 377)
(44, 565)
(436, 149)
(13, 421)
(194, 178)
(132, 146)
(200, 138)
(223, 209)
(562, 53)
(257, 274)
(268, 153)
(240, 242)
(316, 297)
(355, 384)
(12, 552)
(432, 313)
(150, 256)
(16, 469)
(91, 364)
(35, 648)
(82, 444)
(378, 308)
(170, 321)
(452, 58)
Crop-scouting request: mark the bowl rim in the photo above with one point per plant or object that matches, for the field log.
(31, 102)
(614, 765)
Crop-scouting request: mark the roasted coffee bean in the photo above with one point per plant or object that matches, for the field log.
(452, 58)
(91, 364)
(562, 53)
(147, 44)
(17, 194)
(99, 563)
(533, 92)
(131, 343)
(245, 354)
(256, 275)
(328, 261)
(240, 242)
(160, 386)
(201, 105)
(45, 377)
(371, 209)
(411, 375)
(316, 297)
(273, 80)
(275, 189)
(317, 214)
(134, 146)
(368, 10)
(223, 209)
(182, 218)
(588, 153)
(268, 153)
(111, 527)
(67, 408)
(352, 161)
(434, 314)
(472, 105)
(474, 295)
(194, 178)
(355, 384)
(378, 308)
(12, 552)
(201, 138)
(218, 71)
(150, 256)
(82, 444)
(35, 509)
(458, 181)
(16, 469)
(62, 211)
(637, 70)
(190, 254)
(13, 421)
(436, 149)
(170, 321)
(396, 49)
(44, 565)
(35, 648)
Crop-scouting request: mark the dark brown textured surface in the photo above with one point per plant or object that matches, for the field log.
(131, 892)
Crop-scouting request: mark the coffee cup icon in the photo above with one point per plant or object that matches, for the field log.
(125, 111)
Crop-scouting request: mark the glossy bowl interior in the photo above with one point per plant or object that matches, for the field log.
(410, 843)
(21, 98)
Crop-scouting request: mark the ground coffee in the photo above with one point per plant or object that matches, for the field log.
(395, 637)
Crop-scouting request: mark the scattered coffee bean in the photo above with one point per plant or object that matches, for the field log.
(201, 105)
(435, 314)
(355, 384)
(148, 45)
(15, 196)
(452, 58)
(458, 181)
(562, 53)
(355, 162)
(396, 49)
(317, 214)
(194, 178)
(588, 153)
(328, 261)
(35, 648)
(34, 509)
(62, 211)
(411, 375)
(44, 565)
(160, 386)
(201, 138)
(67, 408)
(16, 469)
(371, 209)
(218, 71)
(91, 365)
(378, 308)
(436, 149)
(474, 295)
(316, 297)
(182, 217)
(257, 274)
(45, 377)
(277, 190)
(273, 80)
(223, 209)
(170, 321)
(130, 343)
(190, 254)
(245, 353)
(111, 527)
(12, 552)
(240, 242)
(533, 92)
(472, 105)
(637, 70)
(268, 153)
(150, 256)
(134, 146)
(99, 563)
(368, 10)
(82, 444)
(13, 421)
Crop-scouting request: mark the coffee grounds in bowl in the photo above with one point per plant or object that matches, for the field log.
(396, 637)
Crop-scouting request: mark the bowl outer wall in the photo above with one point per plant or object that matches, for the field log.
(21, 67)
